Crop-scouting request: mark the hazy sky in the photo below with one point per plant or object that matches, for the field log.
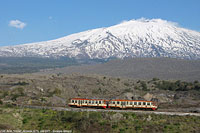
(26, 21)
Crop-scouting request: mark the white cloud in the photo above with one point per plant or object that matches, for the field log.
(17, 24)
(142, 19)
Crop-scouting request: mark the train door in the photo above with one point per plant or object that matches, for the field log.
(79, 102)
(123, 104)
(107, 104)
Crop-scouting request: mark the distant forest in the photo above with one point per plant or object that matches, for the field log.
(17, 65)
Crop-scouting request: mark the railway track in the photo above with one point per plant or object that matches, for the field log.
(109, 110)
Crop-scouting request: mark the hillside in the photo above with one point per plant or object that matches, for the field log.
(56, 89)
(140, 68)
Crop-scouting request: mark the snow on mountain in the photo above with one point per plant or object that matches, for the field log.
(134, 38)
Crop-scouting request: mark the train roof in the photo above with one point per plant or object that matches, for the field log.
(130, 100)
(111, 100)
(88, 99)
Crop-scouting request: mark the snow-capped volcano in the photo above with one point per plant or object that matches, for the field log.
(134, 38)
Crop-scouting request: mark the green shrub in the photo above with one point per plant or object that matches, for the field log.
(155, 79)
(114, 126)
(118, 79)
(143, 85)
(1, 102)
(21, 83)
(122, 130)
(177, 86)
(128, 90)
(126, 84)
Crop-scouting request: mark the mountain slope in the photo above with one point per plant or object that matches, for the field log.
(135, 38)
(139, 68)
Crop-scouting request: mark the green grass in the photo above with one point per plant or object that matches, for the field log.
(43, 119)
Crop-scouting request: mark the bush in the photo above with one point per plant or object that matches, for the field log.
(128, 90)
(155, 79)
(20, 91)
(136, 88)
(197, 87)
(57, 91)
(14, 97)
(126, 84)
(1, 102)
(143, 85)
(21, 83)
(17, 93)
(177, 86)
(8, 105)
(5, 93)
(114, 126)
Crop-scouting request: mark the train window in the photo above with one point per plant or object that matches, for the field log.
(144, 103)
(92, 102)
(113, 102)
(89, 101)
(117, 102)
(72, 101)
(135, 103)
(148, 103)
(75, 101)
(86, 101)
(96, 102)
(131, 103)
(139, 103)
(127, 102)
(99, 102)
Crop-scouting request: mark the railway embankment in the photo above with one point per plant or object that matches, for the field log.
(179, 112)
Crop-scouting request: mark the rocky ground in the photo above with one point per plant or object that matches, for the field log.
(56, 89)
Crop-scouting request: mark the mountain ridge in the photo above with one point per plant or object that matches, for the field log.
(134, 38)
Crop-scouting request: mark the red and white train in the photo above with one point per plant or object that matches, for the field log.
(113, 104)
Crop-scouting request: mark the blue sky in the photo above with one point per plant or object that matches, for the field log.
(26, 21)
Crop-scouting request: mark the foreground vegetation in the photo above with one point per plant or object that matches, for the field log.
(42, 119)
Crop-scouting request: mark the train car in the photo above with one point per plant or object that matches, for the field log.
(132, 104)
(80, 102)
